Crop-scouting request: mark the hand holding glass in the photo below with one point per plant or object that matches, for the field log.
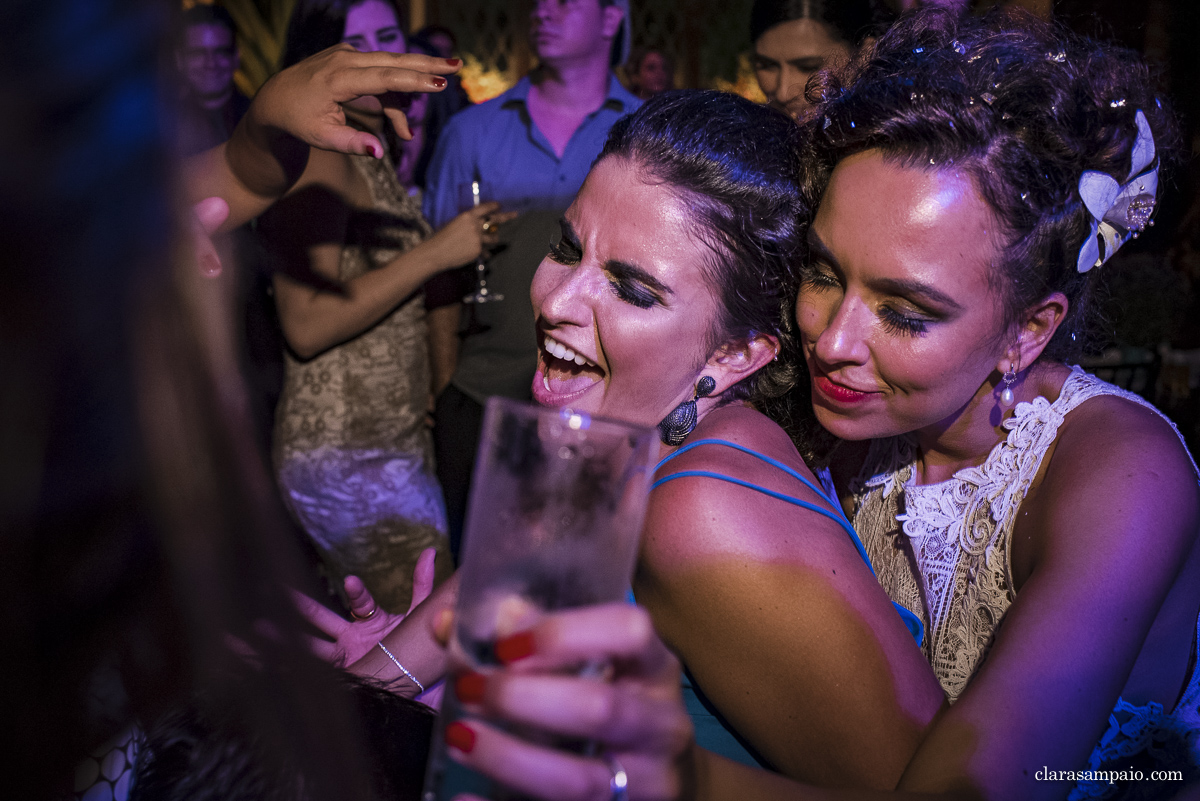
(556, 511)
(471, 195)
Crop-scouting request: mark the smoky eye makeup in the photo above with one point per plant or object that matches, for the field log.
(634, 294)
(566, 249)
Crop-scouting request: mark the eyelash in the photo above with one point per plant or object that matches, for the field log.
(568, 254)
(893, 321)
(633, 295)
(565, 252)
(812, 276)
(902, 324)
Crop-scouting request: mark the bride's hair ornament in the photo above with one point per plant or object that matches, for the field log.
(1119, 211)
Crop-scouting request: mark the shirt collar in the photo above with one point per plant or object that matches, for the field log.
(618, 98)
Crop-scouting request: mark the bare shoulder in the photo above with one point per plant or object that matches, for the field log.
(704, 516)
(1119, 474)
(1112, 436)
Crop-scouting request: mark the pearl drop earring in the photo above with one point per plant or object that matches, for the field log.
(1006, 397)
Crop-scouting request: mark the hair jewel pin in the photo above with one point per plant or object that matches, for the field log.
(1119, 211)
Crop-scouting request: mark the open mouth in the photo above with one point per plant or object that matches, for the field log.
(563, 374)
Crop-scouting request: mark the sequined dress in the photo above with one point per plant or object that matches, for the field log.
(943, 551)
(353, 455)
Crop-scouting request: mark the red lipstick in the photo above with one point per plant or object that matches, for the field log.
(837, 392)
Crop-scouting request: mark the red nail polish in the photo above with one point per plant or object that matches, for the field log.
(518, 646)
(210, 266)
(454, 62)
(470, 687)
(460, 737)
(440, 83)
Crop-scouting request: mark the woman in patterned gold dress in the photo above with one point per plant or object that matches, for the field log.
(352, 451)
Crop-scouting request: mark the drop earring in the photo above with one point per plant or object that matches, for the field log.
(675, 427)
(1007, 399)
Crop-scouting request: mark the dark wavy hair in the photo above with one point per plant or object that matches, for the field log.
(735, 164)
(1024, 107)
(849, 20)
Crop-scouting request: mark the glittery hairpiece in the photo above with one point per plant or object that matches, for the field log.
(1119, 211)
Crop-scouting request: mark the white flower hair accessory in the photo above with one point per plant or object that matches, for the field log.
(1119, 211)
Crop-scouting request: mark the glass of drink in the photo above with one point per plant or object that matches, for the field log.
(471, 194)
(556, 510)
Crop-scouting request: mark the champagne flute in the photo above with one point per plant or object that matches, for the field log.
(471, 195)
(555, 516)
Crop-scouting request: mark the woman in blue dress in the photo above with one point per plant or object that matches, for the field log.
(970, 178)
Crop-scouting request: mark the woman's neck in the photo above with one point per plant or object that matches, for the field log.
(967, 437)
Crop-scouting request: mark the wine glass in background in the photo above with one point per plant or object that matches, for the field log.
(471, 194)
(555, 516)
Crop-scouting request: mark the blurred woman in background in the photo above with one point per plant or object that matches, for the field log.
(793, 39)
(139, 526)
(352, 451)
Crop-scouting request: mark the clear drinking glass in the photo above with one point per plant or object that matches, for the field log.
(556, 510)
(471, 194)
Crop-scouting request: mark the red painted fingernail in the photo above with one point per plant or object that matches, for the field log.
(460, 736)
(518, 646)
(470, 687)
(440, 83)
(454, 62)
(210, 266)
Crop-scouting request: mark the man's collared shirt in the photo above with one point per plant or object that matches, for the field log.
(498, 144)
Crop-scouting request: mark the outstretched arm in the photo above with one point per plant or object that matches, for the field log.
(300, 108)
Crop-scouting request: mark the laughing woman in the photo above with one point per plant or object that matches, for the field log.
(666, 302)
(971, 177)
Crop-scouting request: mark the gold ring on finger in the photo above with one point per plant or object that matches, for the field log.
(367, 616)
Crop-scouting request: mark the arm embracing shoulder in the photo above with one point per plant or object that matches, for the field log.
(784, 627)
(1107, 531)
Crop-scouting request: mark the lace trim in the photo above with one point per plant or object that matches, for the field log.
(951, 566)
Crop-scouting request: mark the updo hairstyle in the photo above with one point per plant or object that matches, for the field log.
(735, 165)
(1021, 105)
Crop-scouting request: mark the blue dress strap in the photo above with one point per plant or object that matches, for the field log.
(834, 513)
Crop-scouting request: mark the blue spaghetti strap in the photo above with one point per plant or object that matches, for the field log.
(911, 621)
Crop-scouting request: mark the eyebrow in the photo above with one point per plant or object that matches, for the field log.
(619, 269)
(804, 63)
(903, 287)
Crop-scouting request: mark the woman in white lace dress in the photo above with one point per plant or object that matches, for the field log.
(971, 178)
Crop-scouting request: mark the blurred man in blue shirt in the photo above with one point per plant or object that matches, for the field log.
(530, 148)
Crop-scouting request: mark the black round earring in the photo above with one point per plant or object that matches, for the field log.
(675, 427)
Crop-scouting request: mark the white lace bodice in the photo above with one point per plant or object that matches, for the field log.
(948, 560)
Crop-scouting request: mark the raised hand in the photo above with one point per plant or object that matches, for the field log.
(637, 718)
(305, 99)
(299, 108)
(353, 639)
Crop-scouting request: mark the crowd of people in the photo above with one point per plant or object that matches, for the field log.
(897, 545)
